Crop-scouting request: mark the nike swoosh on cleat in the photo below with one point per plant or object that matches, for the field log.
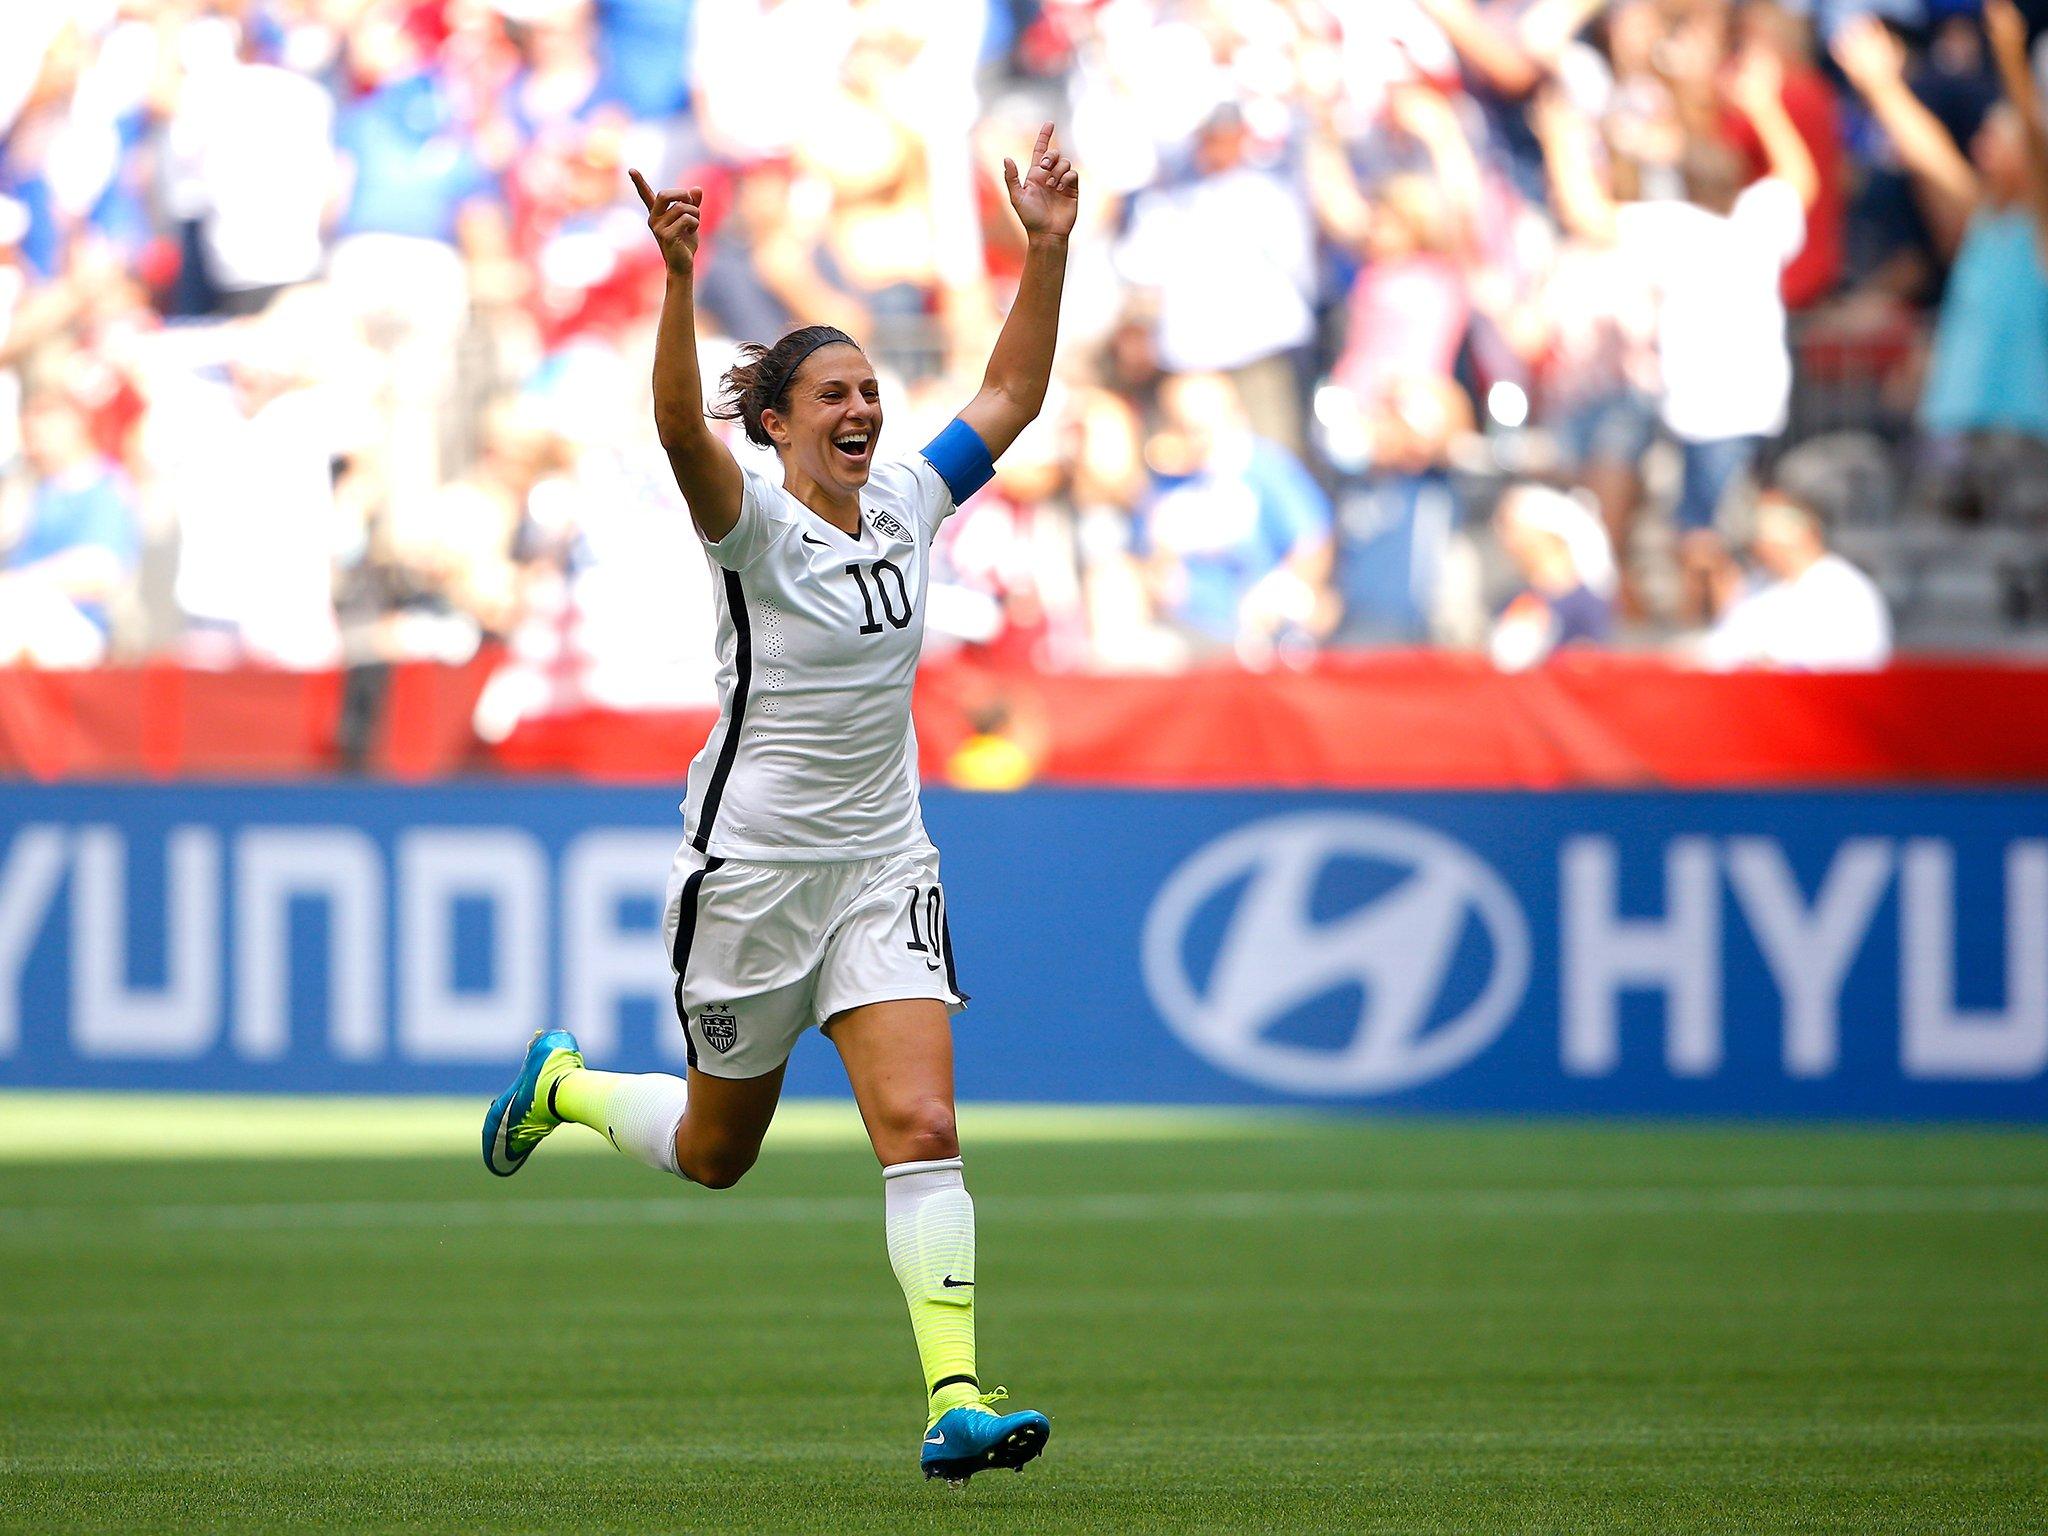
(934, 1439)
(950, 1283)
(504, 1142)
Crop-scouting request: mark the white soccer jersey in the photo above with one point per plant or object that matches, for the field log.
(814, 756)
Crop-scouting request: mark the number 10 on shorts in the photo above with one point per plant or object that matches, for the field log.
(925, 940)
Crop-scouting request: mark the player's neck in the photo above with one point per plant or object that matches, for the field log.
(838, 507)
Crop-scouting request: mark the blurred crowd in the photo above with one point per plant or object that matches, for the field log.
(1511, 325)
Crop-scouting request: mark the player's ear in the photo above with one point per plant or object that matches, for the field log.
(775, 426)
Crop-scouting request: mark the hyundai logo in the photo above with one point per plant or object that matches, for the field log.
(1404, 940)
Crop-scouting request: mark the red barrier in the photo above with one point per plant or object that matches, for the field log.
(1422, 720)
(1405, 720)
(163, 722)
(1430, 720)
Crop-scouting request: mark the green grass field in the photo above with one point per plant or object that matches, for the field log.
(1238, 1324)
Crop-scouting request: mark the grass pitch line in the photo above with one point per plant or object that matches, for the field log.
(688, 1209)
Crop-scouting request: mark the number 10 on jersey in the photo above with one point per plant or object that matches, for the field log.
(895, 608)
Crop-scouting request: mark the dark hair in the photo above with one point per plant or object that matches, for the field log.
(760, 380)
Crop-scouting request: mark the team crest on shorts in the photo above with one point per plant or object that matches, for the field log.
(720, 1029)
(889, 525)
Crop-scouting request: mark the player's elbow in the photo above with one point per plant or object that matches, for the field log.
(1014, 401)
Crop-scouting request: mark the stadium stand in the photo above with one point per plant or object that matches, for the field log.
(326, 322)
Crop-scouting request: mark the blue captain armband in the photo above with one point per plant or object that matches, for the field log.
(961, 458)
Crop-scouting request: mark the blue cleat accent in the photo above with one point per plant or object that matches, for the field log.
(974, 1439)
(519, 1119)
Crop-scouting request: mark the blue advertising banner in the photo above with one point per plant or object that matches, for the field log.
(1784, 954)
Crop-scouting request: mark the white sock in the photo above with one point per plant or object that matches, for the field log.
(639, 1112)
(929, 1217)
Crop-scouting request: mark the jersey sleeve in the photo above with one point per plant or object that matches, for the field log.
(754, 531)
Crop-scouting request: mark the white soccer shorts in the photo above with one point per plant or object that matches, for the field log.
(761, 952)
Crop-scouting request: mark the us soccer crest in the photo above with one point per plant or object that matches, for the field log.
(889, 525)
(720, 1029)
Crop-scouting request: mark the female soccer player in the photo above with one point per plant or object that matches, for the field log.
(805, 891)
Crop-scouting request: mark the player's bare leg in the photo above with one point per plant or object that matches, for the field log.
(723, 1122)
(899, 1059)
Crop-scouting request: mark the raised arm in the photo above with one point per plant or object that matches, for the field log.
(1019, 369)
(1758, 91)
(1583, 201)
(705, 469)
(2008, 31)
(1494, 52)
(1876, 65)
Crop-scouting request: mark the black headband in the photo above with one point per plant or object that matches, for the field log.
(831, 337)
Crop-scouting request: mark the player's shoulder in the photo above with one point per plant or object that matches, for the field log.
(907, 489)
(900, 478)
(767, 496)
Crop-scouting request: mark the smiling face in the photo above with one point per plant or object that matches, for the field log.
(834, 418)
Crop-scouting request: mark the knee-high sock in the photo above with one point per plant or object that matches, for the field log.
(930, 1221)
(637, 1112)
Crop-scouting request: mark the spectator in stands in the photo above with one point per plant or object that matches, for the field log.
(1395, 517)
(1716, 261)
(765, 263)
(1410, 305)
(644, 45)
(1586, 329)
(1235, 533)
(1504, 48)
(1560, 552)
(1985, 407)
(77, 548)
(558, 82)
(1773, 27)
(257, 209)
(871, 165)
(417, 199)
(1227, 249)
(1341, 204)
(19, 332)
(1813, 612)
(245, 466)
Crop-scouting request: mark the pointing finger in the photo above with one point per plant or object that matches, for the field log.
(646, 192)
(1044, 144)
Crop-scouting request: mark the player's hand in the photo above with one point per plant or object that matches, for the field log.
(1049, 196)
(1869, 53)
(673, 216)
